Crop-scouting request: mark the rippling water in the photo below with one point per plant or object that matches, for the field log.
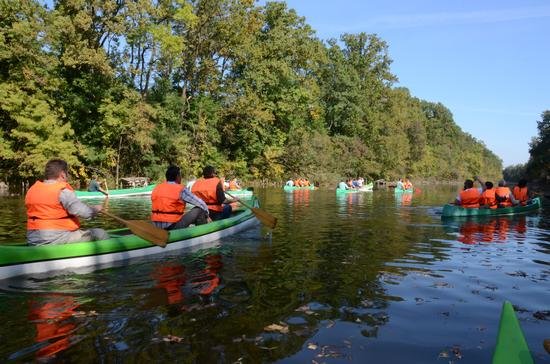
(369, 277)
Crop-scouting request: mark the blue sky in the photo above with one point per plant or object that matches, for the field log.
(487, 61)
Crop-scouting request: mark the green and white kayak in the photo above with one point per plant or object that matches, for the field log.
(123, 192)
(293, 188)
(122, 246)
(365, 188)
(511, 347)
(455, 211)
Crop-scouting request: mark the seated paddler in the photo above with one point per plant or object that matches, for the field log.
(469, 196)
(169, 200)
(209, 188)
(53, 210)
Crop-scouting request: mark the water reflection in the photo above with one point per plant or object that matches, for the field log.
(177, 283)
(54, 318)
(351, 277)
(490, 229)
(403, 198)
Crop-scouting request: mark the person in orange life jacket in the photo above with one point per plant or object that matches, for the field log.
(504, 196)
(407, 184)
(234, 185)
(469, 196)
(487, 198)
(168, 204)
(521, 192)
(210, 190)
(53, 210)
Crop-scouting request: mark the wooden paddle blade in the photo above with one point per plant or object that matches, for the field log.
(149, 232)
(265, 217)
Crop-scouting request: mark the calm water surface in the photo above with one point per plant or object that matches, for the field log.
(368, 277)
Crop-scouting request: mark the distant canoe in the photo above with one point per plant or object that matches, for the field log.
(123, 192)
(365, 188)
(292, 188)
(511, 347)
(453, 210)
(400, 190)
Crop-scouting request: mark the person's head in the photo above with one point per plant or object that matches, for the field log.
(56, 168)
(468, 184)
(173, 174)
(488, 185)
(501, 183)
(94, 176)
(208, 172)
(522, 183)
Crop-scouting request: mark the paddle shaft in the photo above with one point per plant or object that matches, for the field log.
(115, 217)
(265, 217)
(144, 230)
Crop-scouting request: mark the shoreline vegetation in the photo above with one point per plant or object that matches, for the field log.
(125, 89)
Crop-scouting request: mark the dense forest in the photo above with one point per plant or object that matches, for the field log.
(128, 87)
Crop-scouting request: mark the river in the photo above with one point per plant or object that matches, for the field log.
(369, 277)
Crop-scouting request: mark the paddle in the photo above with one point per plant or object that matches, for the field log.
(265, 217)
(143, 229)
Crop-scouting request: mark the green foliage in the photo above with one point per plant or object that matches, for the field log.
(127, 88)
(538, 166)
(514, 172)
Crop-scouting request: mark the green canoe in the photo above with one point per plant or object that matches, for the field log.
(123, 192)
(455, 211)
(400, 190)
(365, 188)
(20, 259)
(511, 347)
(292, 188)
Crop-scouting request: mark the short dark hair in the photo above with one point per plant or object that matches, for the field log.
(489, 184)
(468, 184)
(522, 182)
(208, 172)
(172, 173)
(54, 167)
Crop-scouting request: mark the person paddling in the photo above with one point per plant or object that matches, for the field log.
(95, 186)
(209, 188)
(487, 198)
(521, 192)
(168, 204)
(504, 196)
(469, 196)
(53, 210)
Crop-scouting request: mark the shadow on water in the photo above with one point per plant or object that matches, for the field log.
(366, 277)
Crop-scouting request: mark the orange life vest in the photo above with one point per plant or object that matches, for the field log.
(166, 203)
(469, 198)
(205, 189)
(521, 194)
(233, 185)
(488, 198)
(45, 211)
(502, 195)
